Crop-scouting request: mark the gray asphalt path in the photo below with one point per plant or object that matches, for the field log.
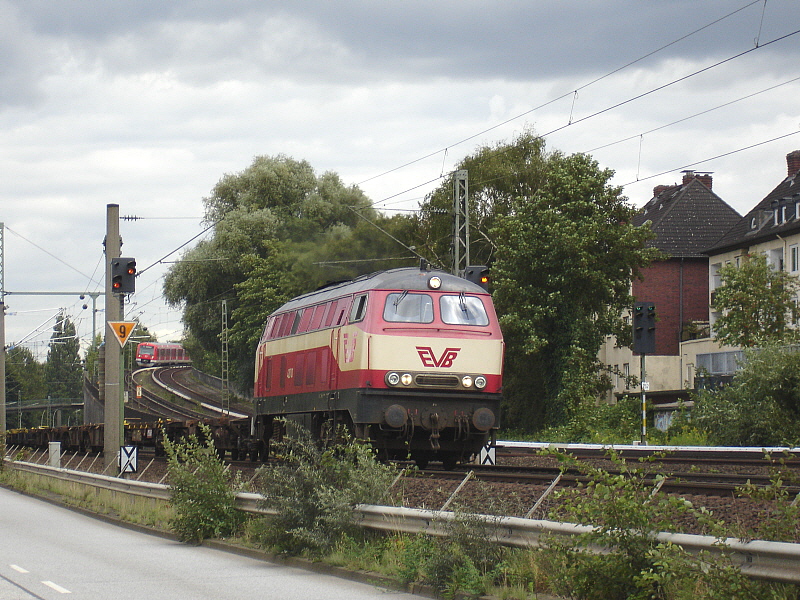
(48, 552)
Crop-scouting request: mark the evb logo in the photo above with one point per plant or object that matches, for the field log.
(429, 359)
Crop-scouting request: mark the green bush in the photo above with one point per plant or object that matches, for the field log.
(625, 510)
(315, 489)
(201, 490)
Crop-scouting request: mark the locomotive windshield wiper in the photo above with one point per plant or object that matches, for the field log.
(400, 298)
(462, 301)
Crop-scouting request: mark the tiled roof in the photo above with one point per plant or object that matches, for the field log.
(687, 219)
(759, 224)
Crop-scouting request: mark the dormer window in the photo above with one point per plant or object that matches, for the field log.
(753, 221)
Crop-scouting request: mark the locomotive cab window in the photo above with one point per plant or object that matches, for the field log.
(403, 307)
(463, 310)
(359, 310)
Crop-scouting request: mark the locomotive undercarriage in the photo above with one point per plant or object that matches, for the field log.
(424, 426)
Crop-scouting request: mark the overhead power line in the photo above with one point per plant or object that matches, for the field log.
(705, 160)
(614, 106)
(563, 96)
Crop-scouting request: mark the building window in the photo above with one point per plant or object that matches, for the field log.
(776, 259)
(716, 280)
(793, 258)
(626, 372)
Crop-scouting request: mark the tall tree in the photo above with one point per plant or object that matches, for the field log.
(24, 381)
(496, 176)
(566, 255)
(756, 303)
(63, 369)
(279, 229)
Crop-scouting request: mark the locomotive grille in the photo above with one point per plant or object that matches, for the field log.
(431, 380)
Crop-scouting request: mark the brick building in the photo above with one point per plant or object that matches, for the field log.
(687, 218)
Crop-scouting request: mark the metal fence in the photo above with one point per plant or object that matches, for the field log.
(774, 561)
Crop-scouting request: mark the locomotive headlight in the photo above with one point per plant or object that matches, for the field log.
(466, 381)
(406, 379)
(435, 282)
(392, 379)
(480, 382)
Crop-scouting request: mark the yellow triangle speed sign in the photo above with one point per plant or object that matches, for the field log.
(122, 330)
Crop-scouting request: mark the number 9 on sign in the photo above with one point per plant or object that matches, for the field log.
(122, 330)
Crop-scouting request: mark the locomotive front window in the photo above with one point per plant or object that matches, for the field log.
(463, 310)
(145, 350)
(408, 308)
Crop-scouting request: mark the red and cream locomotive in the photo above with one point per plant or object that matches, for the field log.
(410, 359)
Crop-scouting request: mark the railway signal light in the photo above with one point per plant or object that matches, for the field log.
(644, 328)
(478, 274)
(123, 275)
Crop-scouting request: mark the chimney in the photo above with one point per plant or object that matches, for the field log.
(793, 162)
(659, 189)
(703, 177)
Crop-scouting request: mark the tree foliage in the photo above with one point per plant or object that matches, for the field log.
(24, 381)
(755, 302)
(761, 407)
(63, 370)
(566, 256)
(279, 230)
(497, 175)
(563, 253)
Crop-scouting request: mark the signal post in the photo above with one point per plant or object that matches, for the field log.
(120, 280)
(644, 342)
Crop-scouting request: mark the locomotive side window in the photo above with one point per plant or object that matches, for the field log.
(286, 324)
(296, 321)
(463, 310)
(403, 307)
(316, 319)
(305, 320)
(342, 308)
(268, 329)
(359, 309)
(331, 313)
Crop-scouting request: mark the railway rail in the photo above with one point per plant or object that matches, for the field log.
(176, 380)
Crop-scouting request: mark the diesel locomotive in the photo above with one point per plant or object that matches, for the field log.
(410, 359)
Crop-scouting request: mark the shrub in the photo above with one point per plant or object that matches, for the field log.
(201, 491)
(625, 512)
(315, 489)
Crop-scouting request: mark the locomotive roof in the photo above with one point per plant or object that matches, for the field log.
(404, 278)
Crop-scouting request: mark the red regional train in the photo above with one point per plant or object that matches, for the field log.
(410, 359)
(155, 354)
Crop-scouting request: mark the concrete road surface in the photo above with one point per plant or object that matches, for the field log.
(49, 552)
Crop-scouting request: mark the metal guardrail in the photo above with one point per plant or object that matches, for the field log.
(774, 561)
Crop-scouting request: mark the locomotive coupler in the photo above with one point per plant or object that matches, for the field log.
(435, 431)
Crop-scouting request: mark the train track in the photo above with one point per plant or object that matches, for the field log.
(700, 483)
(178, 381)
(161, 407)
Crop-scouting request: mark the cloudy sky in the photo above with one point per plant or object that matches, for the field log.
(147, 103)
